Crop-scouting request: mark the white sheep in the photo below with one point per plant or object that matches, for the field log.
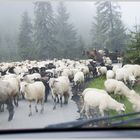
(101, 52)
(67, 72)
(125, 75)
(116, 87)
(78, 80)
(6, 98)
(85, 70)
(34, 91)
(7, 76)
(15, 84)
(134, 69)
(115, 67)
(119, 59)
(135, 100)
(92, 89)
(110, 74)
(102, 70)
(107, 61)
(30, 77)
(60, 87)
(101, 100)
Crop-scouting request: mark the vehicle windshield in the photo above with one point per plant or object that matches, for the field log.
(69, 64)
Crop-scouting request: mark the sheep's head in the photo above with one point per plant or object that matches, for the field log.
(121, 108)
(132, 80)
(52, 82)
(22, 87)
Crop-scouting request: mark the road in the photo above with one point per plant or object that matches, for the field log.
(21, 120)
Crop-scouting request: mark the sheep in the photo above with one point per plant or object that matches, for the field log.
(30, 77)
(134, 69)
(125, 75)
(107, 61)
(131, 81)
(17, 70)
(135, 100)
(46, 84)
(67, 72)
(101, 52)
(101, 100)
(110, 74)
(93, 89)
(81, 96)
(60, 87)
(5, 98)
(115, 67)
(15, 84)
(7, 76)
(78, 80)
(50, 72)
(33, 91)
(102, 70)
(117, 87)
(119, 59)
(85, 70)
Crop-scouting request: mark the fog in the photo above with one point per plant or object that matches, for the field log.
(81, 15)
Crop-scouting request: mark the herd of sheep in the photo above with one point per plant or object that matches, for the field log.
(119, 82)
(35, 80)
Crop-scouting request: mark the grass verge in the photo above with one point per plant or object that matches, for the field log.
(99, 83)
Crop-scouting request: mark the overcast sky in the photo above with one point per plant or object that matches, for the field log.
(81, 14)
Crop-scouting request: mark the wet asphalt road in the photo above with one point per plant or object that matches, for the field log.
(21, 120)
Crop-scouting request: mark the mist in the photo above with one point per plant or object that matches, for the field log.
(81, 14)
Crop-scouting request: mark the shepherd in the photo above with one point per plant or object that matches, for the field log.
(95, 55)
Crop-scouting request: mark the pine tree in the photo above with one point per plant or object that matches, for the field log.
(25, 43)
(132, 53)
(98, 32)
(110, 30)
(44, 30)
(65, 33)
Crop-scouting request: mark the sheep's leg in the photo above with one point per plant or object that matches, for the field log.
(42, 106)
(57, 99)
(108, 122)
(76, 88)
(66, 97)
(30, 108)
(101, 112)
(90, 113)
(10, 108)
(81, 112)
(55, 103)
(81, 86)
(2, 107)
(15, 101)
(87, 112)
(61, 101)
(36, 105)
